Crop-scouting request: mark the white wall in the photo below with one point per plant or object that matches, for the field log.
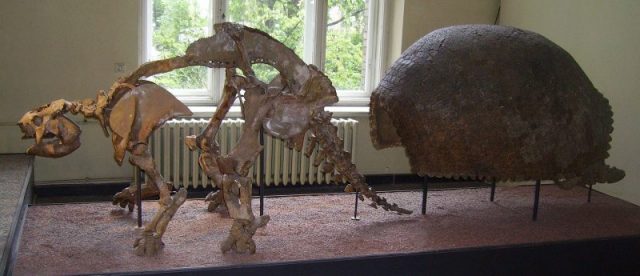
(422, 17)
(63, 49)
(604, 38)
(412, 19)
(67, 49)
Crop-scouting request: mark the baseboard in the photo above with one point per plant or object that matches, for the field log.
(85, 181)
(103, 190)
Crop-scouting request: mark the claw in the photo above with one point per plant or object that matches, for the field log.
(148, 245)
(124, 198)
(127, 197)
(150, 241)
(240, 238)
(215, 200)
(349, 188)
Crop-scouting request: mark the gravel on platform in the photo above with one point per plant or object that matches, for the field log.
(98, 237)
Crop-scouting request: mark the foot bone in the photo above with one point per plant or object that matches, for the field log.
(215, 199)
(150, 242)
(240, 237)
(127, 197)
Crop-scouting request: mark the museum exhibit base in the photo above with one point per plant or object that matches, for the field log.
(462, 232)
(612, 256)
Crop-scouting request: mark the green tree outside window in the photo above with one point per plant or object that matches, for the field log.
(177, 23)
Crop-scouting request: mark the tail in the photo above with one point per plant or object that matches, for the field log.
(604, 174)
(610, 175)
(331, 147)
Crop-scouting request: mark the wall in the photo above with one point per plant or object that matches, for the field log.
(63, 49)
(422, 17)
(604, 38)
(412, 19)
(67, 49)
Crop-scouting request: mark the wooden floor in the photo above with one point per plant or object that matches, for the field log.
(97, 237)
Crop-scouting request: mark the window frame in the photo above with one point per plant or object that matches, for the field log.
(314, 49)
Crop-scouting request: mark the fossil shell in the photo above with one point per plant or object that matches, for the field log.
(491, 101)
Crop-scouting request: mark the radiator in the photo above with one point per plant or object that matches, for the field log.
(283, 166)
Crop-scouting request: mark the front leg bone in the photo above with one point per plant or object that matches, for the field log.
(150, 241)
(141, 157)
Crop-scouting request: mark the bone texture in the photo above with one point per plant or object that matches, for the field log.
(287, 107)
(131, 119)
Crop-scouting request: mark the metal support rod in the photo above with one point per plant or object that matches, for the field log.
(425, 189)
(536, 200)
(137, 179)
(589, 196)
(493, 189)
(262, 174)
(355, 209)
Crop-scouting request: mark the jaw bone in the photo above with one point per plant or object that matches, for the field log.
(54, 136)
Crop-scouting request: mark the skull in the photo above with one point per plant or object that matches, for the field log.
(55, 135)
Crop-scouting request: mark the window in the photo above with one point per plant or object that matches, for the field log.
(168, 28)
(342, 37)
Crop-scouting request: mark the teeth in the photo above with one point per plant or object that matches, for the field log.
(30, 149)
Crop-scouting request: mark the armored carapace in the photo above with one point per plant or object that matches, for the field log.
(495, 102)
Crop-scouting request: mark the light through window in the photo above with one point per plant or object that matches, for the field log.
(346, 44)
(341, 37)
(282, 19)
(174, 25)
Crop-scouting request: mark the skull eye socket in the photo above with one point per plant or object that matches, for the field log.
(37, 120)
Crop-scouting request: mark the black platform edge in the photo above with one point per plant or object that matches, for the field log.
(611, 256)
(86, 192)
(15, 231)
(83, 192)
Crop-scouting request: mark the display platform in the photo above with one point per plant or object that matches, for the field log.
(462, 233)
(16, 181)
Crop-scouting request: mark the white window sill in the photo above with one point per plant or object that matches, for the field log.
(338, 111)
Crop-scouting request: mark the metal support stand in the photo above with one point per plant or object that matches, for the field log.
(138, 180)
(261, 174)
(425, 189)
(355, 209)
(536, 200)
(493, 190)
(589, 196)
